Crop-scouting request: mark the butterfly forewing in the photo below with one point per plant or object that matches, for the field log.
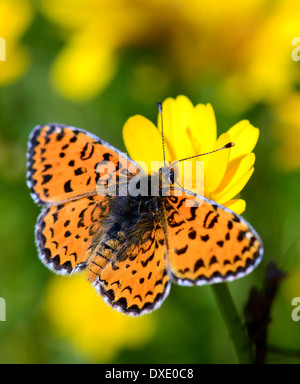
(63, 163)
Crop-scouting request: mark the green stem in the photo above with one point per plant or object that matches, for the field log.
(233, 322)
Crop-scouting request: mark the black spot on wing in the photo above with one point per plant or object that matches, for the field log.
(67, 187)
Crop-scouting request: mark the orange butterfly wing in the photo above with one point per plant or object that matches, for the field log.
(136, 279)
(65, 233)
(62, 163)
(207, 242)
(63, 175)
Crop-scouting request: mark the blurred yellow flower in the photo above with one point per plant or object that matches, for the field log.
(193, 38)
(15, 17)
(286, 131)
(189, 131)
(80, 316)
(268, 72)
(246, 63)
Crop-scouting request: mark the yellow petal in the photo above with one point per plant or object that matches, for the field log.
(235, 172)
(176, 114)
(202, 128)
(238, 205)
(234, 189)
(244, 136)
(216, 165)
(143, 141)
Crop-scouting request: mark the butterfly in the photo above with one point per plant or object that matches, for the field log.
(131, 245)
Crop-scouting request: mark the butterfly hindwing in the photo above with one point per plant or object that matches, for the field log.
(136, 280)
(65, 232)
(208, 243)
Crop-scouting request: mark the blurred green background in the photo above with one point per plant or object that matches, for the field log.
(93, 64)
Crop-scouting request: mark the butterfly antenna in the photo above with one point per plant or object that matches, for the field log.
(159, 105)
(228, 145)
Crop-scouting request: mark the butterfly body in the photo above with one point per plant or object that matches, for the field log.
(135, 243)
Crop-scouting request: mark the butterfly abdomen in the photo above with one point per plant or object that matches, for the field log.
(130, 221)
(129, 267)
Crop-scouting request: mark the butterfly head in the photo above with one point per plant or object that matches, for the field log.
(167, 175)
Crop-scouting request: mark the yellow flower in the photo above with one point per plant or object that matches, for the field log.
(78, 315)
(15, 17)
(191, 130)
